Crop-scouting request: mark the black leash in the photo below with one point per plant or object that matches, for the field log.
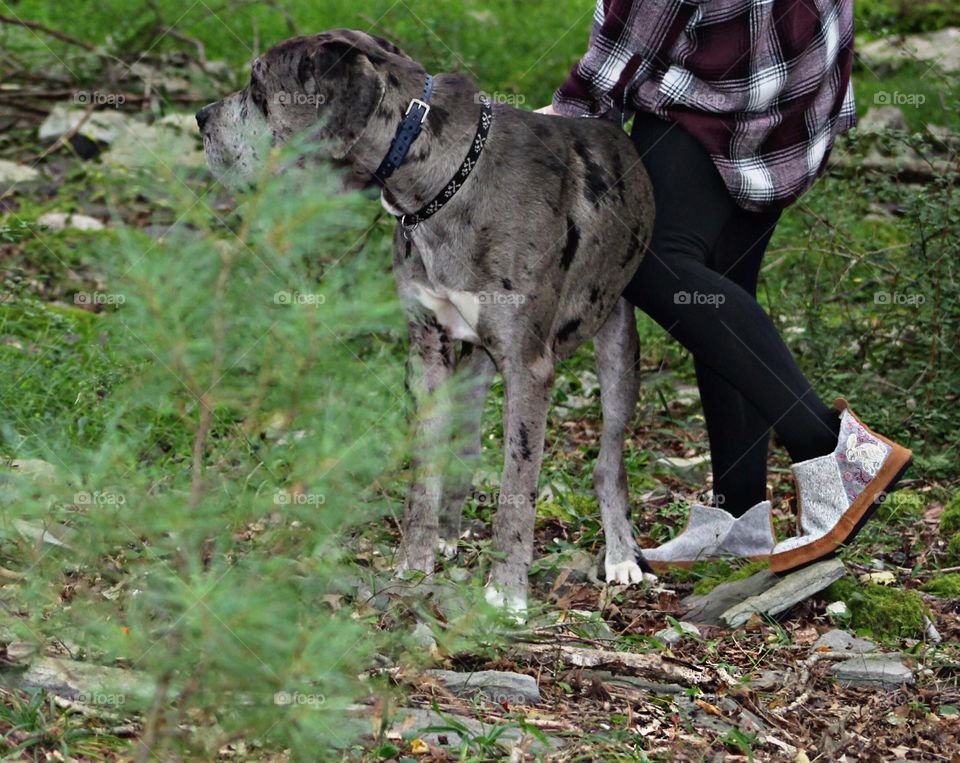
(407, 132)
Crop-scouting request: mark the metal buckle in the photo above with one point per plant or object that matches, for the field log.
(422, 104)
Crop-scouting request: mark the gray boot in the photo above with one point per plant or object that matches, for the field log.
(712, 533)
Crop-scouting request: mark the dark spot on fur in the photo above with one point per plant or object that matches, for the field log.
(507, 284)
(594, 294)
(392, 79)
(524, 442)
(567, 330)
(541, 130)
(595, 183)
(570, 247)
(407, 250)
(437, 119)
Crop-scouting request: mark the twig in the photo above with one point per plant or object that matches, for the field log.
(47, 31)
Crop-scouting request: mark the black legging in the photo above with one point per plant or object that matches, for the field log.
(699, 281)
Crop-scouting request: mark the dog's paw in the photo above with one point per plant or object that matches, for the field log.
(627, 573)
(514, 604)
(447, 548)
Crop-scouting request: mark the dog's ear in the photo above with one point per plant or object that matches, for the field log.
(349, 88)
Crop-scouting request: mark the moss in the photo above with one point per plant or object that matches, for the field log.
(953, 550)
(947, 586)
(903, 505)
(722, 572)
(950, 519)
(883, 611)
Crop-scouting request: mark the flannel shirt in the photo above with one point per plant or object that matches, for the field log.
(764, 85)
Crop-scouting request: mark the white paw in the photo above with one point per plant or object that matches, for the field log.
(515, 605)
(448, 548)
(625, 573)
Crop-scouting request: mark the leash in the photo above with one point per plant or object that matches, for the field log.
(407, 132)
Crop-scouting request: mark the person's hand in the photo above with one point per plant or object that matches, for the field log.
(549, 110)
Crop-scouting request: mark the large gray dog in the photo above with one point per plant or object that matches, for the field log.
(547, 220)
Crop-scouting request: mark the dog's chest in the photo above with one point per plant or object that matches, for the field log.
(457, 311)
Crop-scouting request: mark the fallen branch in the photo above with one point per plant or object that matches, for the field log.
(643, 664)
(33, 26)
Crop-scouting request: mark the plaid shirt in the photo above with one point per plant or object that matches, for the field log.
(764, 85)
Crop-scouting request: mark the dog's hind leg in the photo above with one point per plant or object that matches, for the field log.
(472, 378)
(617, 348)
(430, 367)
(528, 387)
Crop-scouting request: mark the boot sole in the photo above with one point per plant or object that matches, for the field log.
(852, 522)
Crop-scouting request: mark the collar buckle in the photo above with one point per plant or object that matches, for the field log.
(422, 104)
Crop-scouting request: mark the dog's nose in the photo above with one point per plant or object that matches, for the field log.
(203, 116)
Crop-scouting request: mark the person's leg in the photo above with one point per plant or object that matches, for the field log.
(739, 435)
(717, 320)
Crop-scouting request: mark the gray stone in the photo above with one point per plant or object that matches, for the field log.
(101, 126)
(588, 625)
(708, 608)
(881, 118)
(59, 221)
(841, 641)
(423, 636)
(79, 680)
(11, 172)
(573, 566)
(940, 48)
(675, 633)
(788, 591)
(634, 682)
(875, 671)
(495, 685)
(409, 723)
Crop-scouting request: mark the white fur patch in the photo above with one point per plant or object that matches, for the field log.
(625, 573)
(447, 547)
(515, 605)
(457, 311)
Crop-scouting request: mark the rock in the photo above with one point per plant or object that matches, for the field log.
(708, 608)
(11, 172)
(842, 641)
(79, 680)
(788, 591)
(408, 722)
(423, 636)
(838, 611)
(162, 143)
(52, 534)
(495, 685)
(588, 625)
(940, 48)
(767, 680)
(569, 567)
(100, 127)
(881, 118)
(685, 465)
(675, 633)
(880, 671)
(59, 221)
(634, 682)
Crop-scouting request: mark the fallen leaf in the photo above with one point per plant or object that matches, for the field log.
(418, 746)
(704, 705)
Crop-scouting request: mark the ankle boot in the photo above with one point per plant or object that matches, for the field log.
(838, 492)
(713, 533)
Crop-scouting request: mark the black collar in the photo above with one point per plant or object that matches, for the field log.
(407, 132)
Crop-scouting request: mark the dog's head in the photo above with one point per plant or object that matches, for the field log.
(330, 83)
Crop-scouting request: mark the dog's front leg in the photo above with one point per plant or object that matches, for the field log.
(617, 349)
(430, 366)
(527, 390)
(474, 373)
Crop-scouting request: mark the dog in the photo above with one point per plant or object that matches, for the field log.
(517, 233)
